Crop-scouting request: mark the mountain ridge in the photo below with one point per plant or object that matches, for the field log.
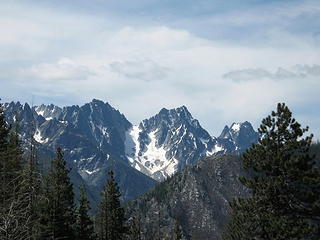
(95, 133)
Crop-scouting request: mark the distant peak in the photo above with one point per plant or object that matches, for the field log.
(163, 111)
(26, 106)
(182, 108)
(235, 127)
(184, 111)
(239, 125)
(246, 123)
(97, 101)
(225, 132)
(100, 103)
(180, 111)
(226, 128)
(15, 103)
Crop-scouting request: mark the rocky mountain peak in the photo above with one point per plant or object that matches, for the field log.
(225, 132)
(48, 111)
(166, 142)
(173, 118)
(97, 101)
(241, 135)
(172, 139)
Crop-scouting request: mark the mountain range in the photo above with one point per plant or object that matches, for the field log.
(96, 137)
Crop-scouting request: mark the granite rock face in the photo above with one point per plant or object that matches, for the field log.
(197, 197)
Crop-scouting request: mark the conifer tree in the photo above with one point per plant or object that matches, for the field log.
(111, 213)
(134, 232)
(99, 221)
(57, 217)
(177, 231)
(15, 160)
(31, 190)
(4, 158)
(84, 227)
(284, 183)
(13, 215)
(24, 189)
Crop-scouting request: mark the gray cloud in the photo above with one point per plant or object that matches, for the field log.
(296, 72)
(247, 74)
(146, 70)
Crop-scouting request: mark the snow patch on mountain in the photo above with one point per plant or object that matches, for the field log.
(40, 112)
(91, 172)
(155, 157)
(86, 159)
(236, 127)
(216, 149)
(37, 136)
(153, 160)
(132, 145)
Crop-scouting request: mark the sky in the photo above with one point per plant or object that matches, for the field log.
(226, 61)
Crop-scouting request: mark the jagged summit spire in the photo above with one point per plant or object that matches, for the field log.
(182, 108)
(241, 133)
(179, 112)
(97, 101)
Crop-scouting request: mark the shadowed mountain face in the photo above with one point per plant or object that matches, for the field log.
(197, 197)
(92, 138)
(96, 137)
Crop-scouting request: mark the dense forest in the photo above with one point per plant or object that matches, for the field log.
(283, 181)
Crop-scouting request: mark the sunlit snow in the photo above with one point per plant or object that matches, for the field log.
(216, 148)
(132, 146)
(236, 127)
(40, 112)
(38, 138)
(153, 159)
(91, 172)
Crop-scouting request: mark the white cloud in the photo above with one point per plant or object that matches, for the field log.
(64, 69)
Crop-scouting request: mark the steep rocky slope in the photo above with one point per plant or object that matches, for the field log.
(197, 197)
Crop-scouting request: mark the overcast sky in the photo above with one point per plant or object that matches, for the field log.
(227, 61)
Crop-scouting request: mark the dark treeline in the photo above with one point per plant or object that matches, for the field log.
(35, 206)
